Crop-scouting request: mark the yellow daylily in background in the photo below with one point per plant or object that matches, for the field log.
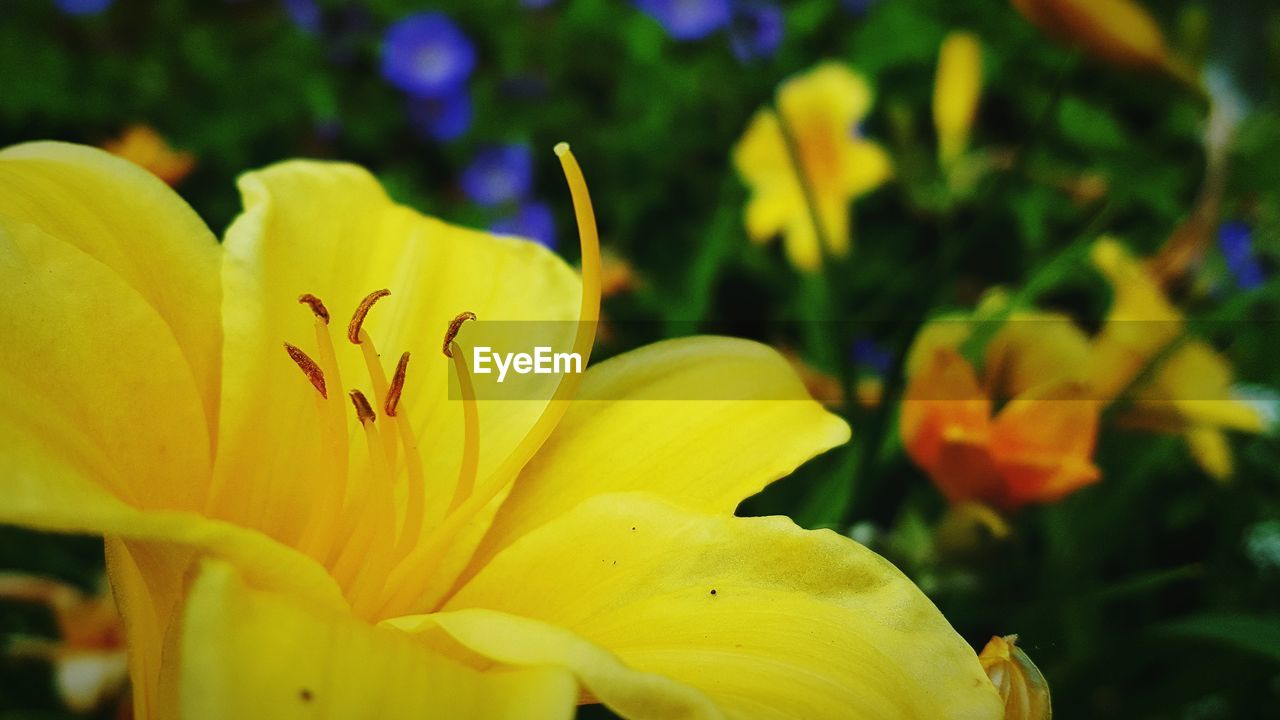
(805, 162)
(1121, 32)
(142, 145)
(1190, 390)
(956, 92)
(296, 534)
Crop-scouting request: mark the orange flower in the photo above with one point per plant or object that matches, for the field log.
(1120, 32)
(1036, 448)
(88, 660)
(143, 146)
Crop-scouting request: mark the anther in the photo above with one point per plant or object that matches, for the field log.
(452, 332)
(397, 386)
(364, 411)
(309, 368)
(353, 328)
(317, 307)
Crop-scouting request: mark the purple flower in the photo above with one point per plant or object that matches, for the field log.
(533, 221)
(688, 19)
(83, 7)
(427, 55)
(305, 14)
(444, 118)
(1235, 240)
(756, 31)
(499, 175)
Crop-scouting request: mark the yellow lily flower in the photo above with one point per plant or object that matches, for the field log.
(956, 91)
(805, 162)
(142, 145)
(1121, 32)
(1190, 390)
(461, 559)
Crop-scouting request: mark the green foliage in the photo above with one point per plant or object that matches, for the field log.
(1136, 596)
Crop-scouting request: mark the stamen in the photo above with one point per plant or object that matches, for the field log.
(353, 328)
(470, 420)
(317, 307)
(364, 411)
(397, 386)
(407, 584)
(308, 367)
(454, 326)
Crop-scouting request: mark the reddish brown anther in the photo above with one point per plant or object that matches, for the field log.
(309, 367)
(317, 307)
(353, 328)
(364, 411)
(397, 386)
(452, 332)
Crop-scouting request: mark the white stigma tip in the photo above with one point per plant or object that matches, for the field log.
(561, 148)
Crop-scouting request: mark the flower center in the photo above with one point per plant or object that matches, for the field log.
(376, 541)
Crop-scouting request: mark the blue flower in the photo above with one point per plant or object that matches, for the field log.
(444, 118)
(83, 7)
(499, 175)
(756, 31)
(536, 4)
(1235, 240)
(305, 14)
(533, 221)
(869, 355)
(858, 7)
(427, 55)
(688, 19)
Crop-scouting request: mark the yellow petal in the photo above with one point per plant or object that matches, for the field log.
(251, 653)
(330, 230)
(93, 388)
(1033, 349)
(765, 619)
(702, 422)
(131, 222)
(150, 575)
(955, 94)
(523, 642)
(867, 166)
(1209, 447)
(1140, 323)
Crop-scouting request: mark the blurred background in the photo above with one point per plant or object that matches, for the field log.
(1150, 593)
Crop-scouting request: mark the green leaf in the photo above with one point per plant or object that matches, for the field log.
(1250, 633)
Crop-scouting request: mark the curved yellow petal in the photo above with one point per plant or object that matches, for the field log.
(1140, 323)
(252, 653)
(765, 619)
(702, 422)
(956, 91)
(1212, 452)
(330, 230)
(523, 642)
(93, 387)
(134, 224)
